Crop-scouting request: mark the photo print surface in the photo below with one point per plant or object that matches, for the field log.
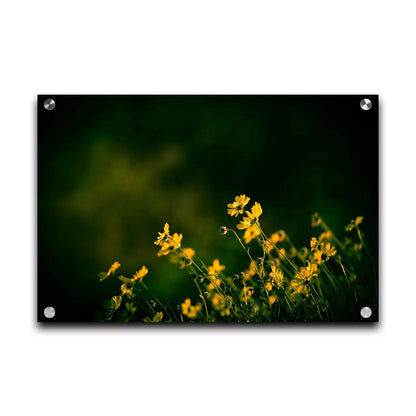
(207, 209)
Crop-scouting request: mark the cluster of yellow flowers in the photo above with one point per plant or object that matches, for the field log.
(172, 245)
(189, 310)
(281, 283)
(127, 292)
(128, 285)
(168, 243)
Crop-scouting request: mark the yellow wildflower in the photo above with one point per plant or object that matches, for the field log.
(256, 211)
(309, 271)
(277, 276)
(325, 236)
(299, 286)
(274, 238)
(219, 303)
(216, 268)
(282, 253)
(126, 289)
(185, 306)
(278, 236)
(185, 257)
(253, 217)
(237, 207)
(163, 237)
(246, 293)
(323, 253)
(252, 270)
(314, 243)
(113, 268)
(170, 245)
(158, 317)
(320, 257)
(251, 233)
(213, 272)
(176, 240)
(272, 299)
(190, 311)
(303, 277)
(244, 223)
(138, 276)
(188, 252)
(214, 282)
(354, 224)
(268, 246)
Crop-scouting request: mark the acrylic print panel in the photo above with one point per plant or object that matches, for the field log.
(227, 209)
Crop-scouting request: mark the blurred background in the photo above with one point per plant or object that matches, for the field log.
(113, 169)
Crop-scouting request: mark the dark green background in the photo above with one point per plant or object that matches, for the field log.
(113, 169)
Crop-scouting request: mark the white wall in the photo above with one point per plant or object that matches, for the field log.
(207, 47)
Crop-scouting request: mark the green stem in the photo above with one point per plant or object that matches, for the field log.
(364, 245)
(159, 302)
(277, 249)
(317, 307)
(202, 296)
(245, 249)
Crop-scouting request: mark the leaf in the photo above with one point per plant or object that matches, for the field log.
(109, 309)
(108, 315)
(102, 276)
(124, 279)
